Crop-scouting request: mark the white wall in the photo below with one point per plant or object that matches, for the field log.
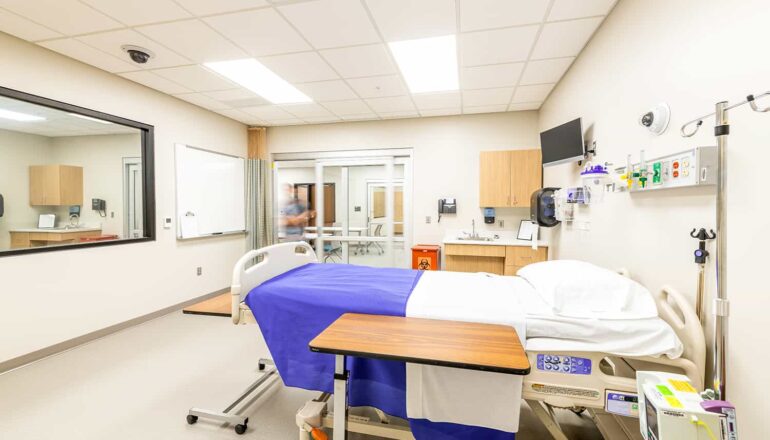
(446, 158)
(51, 297)
(691, 54)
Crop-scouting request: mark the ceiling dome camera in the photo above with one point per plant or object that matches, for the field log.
(139, 55)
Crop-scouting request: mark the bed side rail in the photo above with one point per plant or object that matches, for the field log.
(674, 308)
(275, 260)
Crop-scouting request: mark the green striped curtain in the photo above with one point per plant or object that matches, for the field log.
(259, 196)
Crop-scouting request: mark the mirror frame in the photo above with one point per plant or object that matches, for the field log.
(148, 172)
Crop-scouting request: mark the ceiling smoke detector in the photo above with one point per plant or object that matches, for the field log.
(139, 55)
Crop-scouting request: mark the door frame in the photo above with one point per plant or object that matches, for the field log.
(128, 161)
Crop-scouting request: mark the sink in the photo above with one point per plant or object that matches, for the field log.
(467, 238)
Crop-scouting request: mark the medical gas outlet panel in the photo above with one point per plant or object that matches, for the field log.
(563, 364)
(694, 167)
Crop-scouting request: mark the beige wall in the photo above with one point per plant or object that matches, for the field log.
(689, 53)
(51, 297)
(102, 160)
(18, 151)
(446, 158)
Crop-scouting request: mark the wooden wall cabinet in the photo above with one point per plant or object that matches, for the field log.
(55, 185)
(507, 179)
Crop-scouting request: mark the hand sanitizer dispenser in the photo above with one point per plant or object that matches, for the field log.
(489, 215)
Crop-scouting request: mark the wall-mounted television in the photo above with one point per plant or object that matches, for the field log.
(563, 144)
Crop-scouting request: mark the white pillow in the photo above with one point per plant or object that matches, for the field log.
(582, 290)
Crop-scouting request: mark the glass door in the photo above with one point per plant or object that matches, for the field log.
(358, 209)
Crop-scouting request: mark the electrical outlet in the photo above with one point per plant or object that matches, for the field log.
(502, 223)
(427, 219)
(199, 271)
(356, 209)
(112, 214)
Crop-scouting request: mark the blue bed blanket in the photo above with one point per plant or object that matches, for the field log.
(293, 308)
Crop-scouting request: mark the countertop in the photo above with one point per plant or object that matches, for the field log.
(506, 238)
(56, 230)
(496, 242)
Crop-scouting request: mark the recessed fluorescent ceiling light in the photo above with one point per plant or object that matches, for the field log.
(428, 64)
(16, 116)
(88, 118)
(252, 75)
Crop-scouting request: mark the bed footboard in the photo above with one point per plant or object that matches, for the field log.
(260, 265)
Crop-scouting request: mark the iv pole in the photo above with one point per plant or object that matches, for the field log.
(721, 303)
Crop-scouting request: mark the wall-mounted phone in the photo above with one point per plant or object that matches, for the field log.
(446, 206)
(100, 206)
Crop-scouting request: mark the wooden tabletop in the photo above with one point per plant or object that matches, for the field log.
(467, 345)
(220, 305)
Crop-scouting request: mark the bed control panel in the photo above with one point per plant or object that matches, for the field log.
(563, 364)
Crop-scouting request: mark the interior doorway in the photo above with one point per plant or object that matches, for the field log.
(133, 225)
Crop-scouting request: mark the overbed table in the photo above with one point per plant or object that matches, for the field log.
(467, 345)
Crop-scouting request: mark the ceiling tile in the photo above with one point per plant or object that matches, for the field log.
(496, 75)
(485, 109)
(322, 91)
(407, 19)
(247, 102)
(135, 12)
(87, 54)
(18, 26)
(194, 40)
(268, 112)
(489, 14)
(473, 98)
(545, 71)
(378, 86)
(304, 111)
(300, 67)
(352, 107)
(359, 61)
(112, 41)
(232, 94)
(156, 82)
(430, 101)
(361, 117)
(283, 122)
(260, 32)
(332, 23)
(532, 93)
(564, 39)
(206, 7)
(239, 116)
(441, 112)
(237, 98)
(202, 100)
(195, 78)
(70, 17)
(497, 46)
(569, 9)
(524, 106)
(391, 104)
(399, 115)
(323, 120)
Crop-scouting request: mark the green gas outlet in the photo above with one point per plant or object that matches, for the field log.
(656, 173)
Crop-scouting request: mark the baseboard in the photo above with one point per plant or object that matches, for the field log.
(69, 344)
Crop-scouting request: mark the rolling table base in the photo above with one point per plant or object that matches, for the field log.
(241, 422)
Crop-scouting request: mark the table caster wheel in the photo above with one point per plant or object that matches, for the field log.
(191, 419)
(240, 429)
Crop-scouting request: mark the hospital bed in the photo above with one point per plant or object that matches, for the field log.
(544, 390)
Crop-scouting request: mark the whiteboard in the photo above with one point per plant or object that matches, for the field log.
(210, 193)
